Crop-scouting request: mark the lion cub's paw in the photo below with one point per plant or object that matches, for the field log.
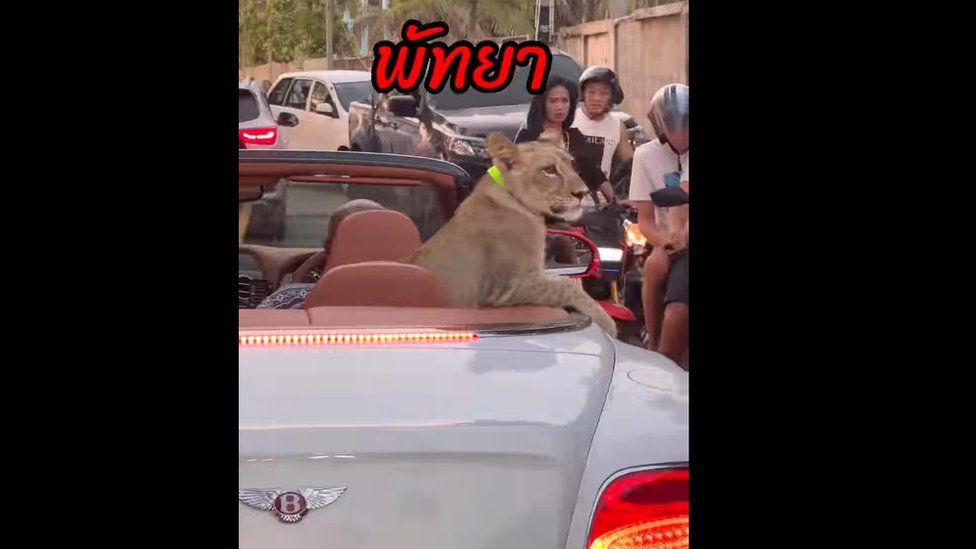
(609, 326)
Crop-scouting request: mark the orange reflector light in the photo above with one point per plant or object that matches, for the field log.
(250, 339)
(660, 534)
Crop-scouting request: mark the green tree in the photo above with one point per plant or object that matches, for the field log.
(285, 30)
(311, 29)
(251, 32)
(467, 19)
(282, 37)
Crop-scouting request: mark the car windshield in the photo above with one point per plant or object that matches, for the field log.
(296, 214)
(353, 91)
(514, 94)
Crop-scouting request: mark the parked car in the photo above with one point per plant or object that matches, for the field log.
(378, 416)
(258, 127)
(320, 100)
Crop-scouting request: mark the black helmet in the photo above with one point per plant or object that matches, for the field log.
(669, 110)
(602, 74)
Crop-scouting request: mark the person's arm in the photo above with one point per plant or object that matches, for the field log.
(678, 218)
(607, 191)
(640, 195)
(589, 171)
(243, 220)
(647, 224)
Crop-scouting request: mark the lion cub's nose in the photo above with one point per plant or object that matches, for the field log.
(579, 194)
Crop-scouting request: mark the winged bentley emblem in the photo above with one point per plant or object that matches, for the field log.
(289, 506)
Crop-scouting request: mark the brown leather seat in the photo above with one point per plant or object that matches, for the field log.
(377, 284)
(374, 235)
(265, 318)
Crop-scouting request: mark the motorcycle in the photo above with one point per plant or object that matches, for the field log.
(622, 249)
(600, 230)
(585, 264)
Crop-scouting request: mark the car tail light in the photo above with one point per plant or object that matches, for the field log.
(259, 136)
(643, 510)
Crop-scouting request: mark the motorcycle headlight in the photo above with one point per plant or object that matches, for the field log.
(637, 135)
(611, 254)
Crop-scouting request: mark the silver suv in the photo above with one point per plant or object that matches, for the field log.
(257, 127)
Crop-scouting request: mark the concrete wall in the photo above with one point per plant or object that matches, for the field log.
(647, 49)
(590, 43)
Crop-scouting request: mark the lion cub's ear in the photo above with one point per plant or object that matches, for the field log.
(550, 137)
(502, 150)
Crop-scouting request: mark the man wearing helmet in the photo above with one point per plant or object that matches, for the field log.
(659, 164)
(600, 91)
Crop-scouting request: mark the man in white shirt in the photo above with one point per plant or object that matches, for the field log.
(659, 164)
(673, 342)
(600, 92)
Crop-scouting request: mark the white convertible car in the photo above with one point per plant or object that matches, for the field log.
(376, 416)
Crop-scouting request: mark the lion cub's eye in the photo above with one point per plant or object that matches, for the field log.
(549, 170)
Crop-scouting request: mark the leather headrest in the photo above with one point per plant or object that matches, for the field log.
(377, 284)
(373, 235)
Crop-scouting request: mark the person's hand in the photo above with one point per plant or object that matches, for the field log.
(676, 242)
(626, 203)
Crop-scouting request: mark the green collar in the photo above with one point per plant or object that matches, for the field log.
(496, 176)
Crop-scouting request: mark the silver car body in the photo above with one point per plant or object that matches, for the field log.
(504, 441)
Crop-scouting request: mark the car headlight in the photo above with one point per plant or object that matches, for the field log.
(610, 254)
(465, 147)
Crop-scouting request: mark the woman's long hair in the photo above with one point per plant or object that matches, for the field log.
(537, 110)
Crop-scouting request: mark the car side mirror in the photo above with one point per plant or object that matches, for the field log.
(403, 105)
(569, 253)
(287, 119)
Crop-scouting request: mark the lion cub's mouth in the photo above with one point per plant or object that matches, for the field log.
(565, 213)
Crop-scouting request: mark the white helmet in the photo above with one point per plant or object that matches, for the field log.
(669, 110)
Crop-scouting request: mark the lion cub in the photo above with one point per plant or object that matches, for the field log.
(491, 253)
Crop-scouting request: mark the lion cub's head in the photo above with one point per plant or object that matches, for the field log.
(540, 175)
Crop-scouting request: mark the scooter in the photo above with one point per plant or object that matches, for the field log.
(589, 272)
(626, 286)
(615, 280)
(600, 230)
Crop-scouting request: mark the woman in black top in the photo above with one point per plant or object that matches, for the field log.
(554, 110)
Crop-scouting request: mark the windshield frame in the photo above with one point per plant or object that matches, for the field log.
(264, 168)
(345, 99)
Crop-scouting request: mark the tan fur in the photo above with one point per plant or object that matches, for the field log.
(491, 253)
